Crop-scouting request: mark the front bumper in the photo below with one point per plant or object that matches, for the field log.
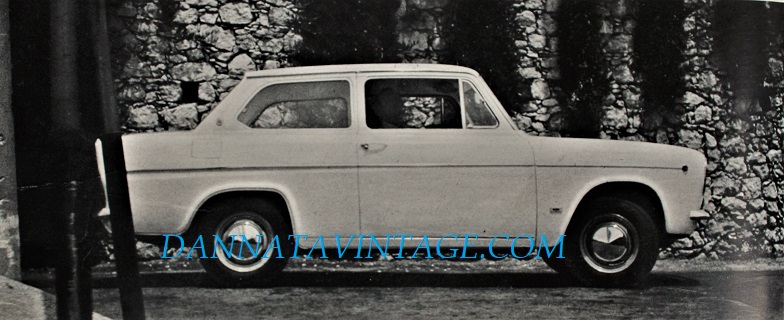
(699, 215)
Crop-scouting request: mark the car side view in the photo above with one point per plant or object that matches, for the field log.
(421, 150)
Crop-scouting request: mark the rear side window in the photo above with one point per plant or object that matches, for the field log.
(322, 104)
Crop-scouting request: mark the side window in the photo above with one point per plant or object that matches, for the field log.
(412, 103)
(478, 113)
(299, 105)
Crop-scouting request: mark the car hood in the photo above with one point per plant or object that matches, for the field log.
(575, 152)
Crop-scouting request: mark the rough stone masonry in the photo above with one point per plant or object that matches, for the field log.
(174, 60)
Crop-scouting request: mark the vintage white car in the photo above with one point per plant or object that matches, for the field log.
(423, 150)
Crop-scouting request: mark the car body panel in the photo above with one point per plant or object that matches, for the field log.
(379, 181)
(576, 166)
(167, 192)
(446, 181)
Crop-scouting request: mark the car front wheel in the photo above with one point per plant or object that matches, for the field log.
(613, 243)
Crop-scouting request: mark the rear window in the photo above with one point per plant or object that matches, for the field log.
(323, 104)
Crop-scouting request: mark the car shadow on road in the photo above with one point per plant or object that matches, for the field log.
(390, 279)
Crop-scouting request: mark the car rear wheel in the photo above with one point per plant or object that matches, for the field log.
(614, 243)
(246, 227)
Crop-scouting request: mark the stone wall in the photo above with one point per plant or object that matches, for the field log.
(622, 109)
(174, 63)
(174, 60)
(537, 46)
(420, 30)
(766, 160)
(744, 152)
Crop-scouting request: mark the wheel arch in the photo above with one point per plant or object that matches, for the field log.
(274, 196)
(637, 192)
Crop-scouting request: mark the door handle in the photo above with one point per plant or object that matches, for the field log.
(373, 147)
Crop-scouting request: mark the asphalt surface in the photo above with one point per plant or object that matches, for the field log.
(466, 290)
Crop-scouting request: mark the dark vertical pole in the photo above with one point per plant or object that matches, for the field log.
(74, 292)
(64, 56)
(132, 302)
(105, 82)
(73, 279)
(131, 299)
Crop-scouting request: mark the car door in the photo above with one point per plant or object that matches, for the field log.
(429, 167)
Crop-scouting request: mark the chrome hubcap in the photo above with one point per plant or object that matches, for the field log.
(243, 239)
(609, 246)
(610, 242)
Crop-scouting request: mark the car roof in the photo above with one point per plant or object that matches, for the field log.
(360, 68)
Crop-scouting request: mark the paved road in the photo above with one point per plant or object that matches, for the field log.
(487, 295)
(479, 290)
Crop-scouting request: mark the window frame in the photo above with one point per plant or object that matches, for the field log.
(484, 103)
(351, 102)
(361, 93)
